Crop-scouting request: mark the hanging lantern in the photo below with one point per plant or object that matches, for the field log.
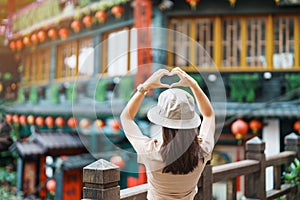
(19, 44)
(72, 122)
(84, 123)
(52, 34)
(76, 26)
(41, 36)
(15, 118)
(88, 21)
(297, 126)
(26, 41)
(115, 124)
(63, 33)
(239, 128)
(39, 121)
(49, 121)
(8, 118)
(51, 185)
(12, 45)
(101, 16)
(232, 2)
(23, 120)
(34, 38)
(193, 3)
(99, 123)
(255, 125)
(117, 11)
(117, 160)
(30, 119)
(59, 122)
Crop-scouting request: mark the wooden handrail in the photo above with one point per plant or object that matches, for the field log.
(235, 169)
(281, 158)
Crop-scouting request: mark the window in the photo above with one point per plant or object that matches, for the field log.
(256, 42)
(181, 44)
(283, 56)
(75, 58)
(119, 52)
(204, 36)
(37, 66)
(231, 43)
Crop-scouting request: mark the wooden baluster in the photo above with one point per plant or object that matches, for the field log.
(205, 184)
(231, 189)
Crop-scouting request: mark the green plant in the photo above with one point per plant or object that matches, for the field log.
(21, 95)
(54, 93)
(71, 92)
(33, 95)
(101, 90)
(292, 174)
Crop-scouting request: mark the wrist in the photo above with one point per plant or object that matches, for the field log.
(142, 89)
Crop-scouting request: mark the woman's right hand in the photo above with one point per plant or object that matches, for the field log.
(185, 79)
(154, 80)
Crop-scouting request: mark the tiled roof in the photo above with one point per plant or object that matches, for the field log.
(41, 143)
(278, 109)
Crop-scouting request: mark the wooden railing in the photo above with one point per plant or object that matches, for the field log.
(101, 177)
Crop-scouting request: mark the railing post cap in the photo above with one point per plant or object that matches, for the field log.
(255, 144)
(101, 172)
(292, 138)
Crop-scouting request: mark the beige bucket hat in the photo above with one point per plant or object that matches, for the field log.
(175, 109)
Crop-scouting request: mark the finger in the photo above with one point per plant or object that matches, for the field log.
(164, 85)
(178, 84)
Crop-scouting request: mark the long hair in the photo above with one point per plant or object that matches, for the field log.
(180, 150)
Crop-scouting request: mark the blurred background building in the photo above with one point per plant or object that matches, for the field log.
(70, 66)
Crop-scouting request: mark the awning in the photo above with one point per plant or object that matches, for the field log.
(54, 144)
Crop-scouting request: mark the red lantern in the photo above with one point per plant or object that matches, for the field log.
(101, 16)
(84, 123)
(117, 160)
(12, 45)
(19, 44)
(51, 185)
(39, 121)
(23, 120)
(49, 121)
(239, 128)
(99, 123)
(255, 125)
(59, 122)
(15, 119)
(72, 122)
(63, 33)
(34, 38)
(52, 34)
(297, 126)
(115, 124)
(117, 11)
(42, 36)
(26, 41)
(30, 119)
(76, 26)
(193, 3)
(8, 118)
(88, 21)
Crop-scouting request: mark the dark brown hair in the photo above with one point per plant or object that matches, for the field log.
(180, 150)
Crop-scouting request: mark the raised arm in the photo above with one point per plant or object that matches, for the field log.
(131, 130)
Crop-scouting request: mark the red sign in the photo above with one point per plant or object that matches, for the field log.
(143, 20)
(72, 184)
(29, 178)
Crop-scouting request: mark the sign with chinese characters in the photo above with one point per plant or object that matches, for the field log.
(72, 184)
(143, 20)
(29, 177)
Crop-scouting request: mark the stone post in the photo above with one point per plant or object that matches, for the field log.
(256, 182)
(100, 181)
(292, 143)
